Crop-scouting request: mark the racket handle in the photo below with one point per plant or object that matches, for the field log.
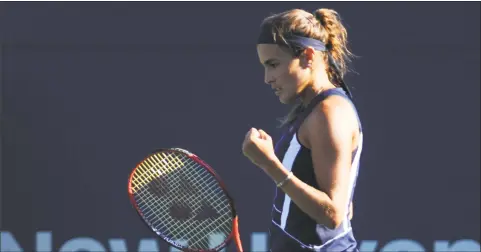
(237, 238)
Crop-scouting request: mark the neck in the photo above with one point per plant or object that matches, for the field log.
(313, 89)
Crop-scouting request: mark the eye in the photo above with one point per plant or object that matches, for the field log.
(272, 65)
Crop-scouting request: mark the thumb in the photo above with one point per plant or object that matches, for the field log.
(264, 135)
(254, 133)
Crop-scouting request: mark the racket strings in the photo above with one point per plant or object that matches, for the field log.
(182, 200)
(151, 198)
(191, 199)
(201, 233)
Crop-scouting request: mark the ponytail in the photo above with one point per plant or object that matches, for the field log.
(338, 54)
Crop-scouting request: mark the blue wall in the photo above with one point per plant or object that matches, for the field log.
(89, 88)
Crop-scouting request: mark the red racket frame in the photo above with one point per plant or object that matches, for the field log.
(235, 226)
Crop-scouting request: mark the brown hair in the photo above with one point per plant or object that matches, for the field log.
(324, 25)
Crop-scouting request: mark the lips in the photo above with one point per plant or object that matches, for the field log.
(277, 90)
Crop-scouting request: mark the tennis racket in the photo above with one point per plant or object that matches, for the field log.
(183, 200)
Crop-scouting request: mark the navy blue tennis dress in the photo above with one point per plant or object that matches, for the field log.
(292, 230)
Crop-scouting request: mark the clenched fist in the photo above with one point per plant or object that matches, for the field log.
(258, 147)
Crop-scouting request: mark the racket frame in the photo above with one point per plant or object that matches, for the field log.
(234, 232)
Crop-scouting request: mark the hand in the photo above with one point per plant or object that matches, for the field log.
(258, 147)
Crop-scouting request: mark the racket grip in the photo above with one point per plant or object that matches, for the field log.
(237, 238)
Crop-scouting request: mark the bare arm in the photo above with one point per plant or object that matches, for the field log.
(351, 211)
(329, 134)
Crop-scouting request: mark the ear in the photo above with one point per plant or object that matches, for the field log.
(308, 56)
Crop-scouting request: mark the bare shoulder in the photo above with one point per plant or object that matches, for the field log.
(334, 107)
(335, 116)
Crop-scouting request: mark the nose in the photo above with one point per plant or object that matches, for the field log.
(268, 79)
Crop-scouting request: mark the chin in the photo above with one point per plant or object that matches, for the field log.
(284, 101)
(287, 100)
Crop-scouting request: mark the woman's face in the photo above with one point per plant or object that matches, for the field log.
(286, 74)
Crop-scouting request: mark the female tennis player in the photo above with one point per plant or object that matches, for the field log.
(315, 164)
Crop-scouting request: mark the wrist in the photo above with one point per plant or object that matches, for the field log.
(276, 171)
(271, 165)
